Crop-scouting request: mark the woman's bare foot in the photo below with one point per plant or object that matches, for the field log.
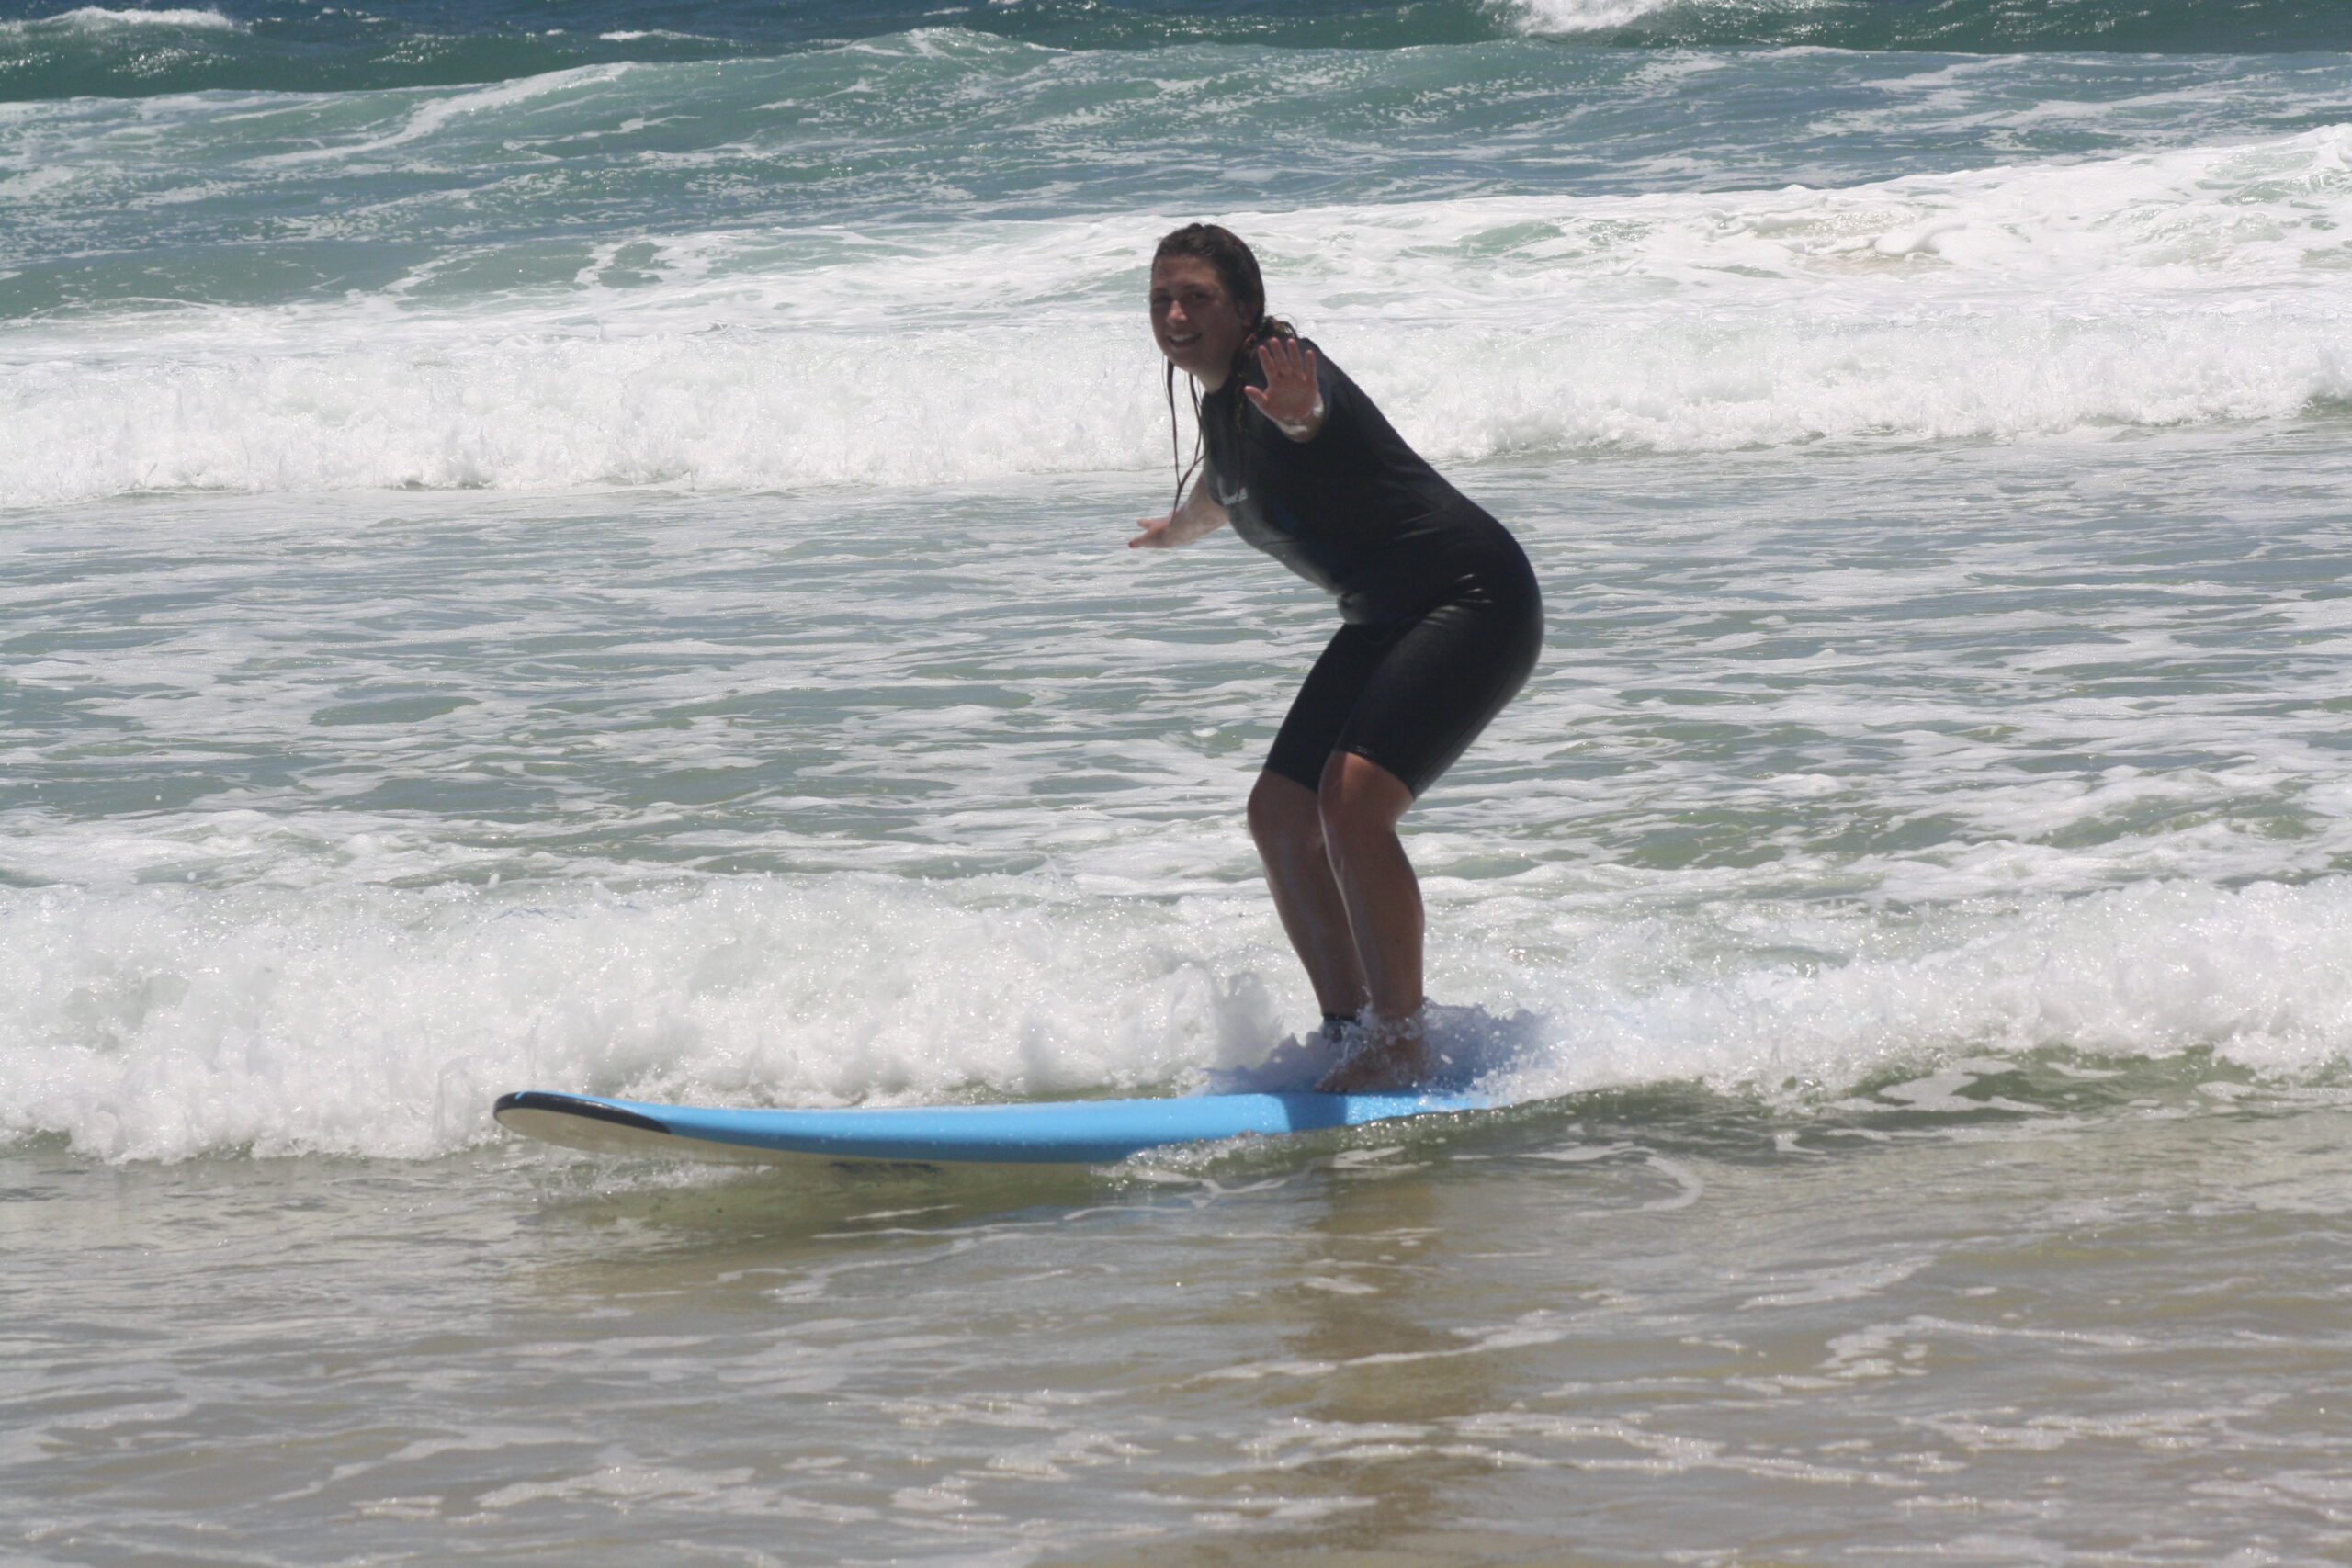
(1393, 1055)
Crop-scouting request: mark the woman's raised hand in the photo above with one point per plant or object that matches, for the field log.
(1293, 398)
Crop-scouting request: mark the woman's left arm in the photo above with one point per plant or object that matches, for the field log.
(1293, 397)
(1199, 514)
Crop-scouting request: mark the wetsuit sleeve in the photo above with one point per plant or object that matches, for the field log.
(1331, 387)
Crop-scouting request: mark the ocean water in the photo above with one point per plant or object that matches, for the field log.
(578, 545)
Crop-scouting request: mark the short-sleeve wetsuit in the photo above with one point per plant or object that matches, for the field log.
(1443, 617)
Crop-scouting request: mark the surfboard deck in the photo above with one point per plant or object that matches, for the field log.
(1079, 1131)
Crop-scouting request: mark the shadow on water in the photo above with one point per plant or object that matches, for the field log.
(1400, 1364)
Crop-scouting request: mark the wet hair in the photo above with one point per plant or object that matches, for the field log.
(1236, 266)
(1234, 262)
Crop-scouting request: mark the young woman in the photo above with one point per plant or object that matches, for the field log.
(1441, 621)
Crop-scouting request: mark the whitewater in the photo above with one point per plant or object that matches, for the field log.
(581, 546)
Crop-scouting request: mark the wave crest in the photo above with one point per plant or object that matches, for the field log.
(1976, 26)
(97, 19)
(2153, 290)
(158, 1024)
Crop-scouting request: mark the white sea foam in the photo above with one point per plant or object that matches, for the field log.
(2144, 970)
(98, 19)
(165, 1023)
(1570, 17)
(1578, 16)
(2004, 303)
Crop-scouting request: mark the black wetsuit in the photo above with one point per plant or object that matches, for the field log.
(1443, 619)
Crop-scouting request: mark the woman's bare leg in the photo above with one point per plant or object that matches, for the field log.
(1360, 805)
(1286, 820)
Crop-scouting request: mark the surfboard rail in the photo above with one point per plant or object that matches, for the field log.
(1071, 1132)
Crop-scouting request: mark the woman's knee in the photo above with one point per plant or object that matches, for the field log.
(1283, 818)
(1359, 800)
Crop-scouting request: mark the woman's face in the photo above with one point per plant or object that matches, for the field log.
(1193, 320)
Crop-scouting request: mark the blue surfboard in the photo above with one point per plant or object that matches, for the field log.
(1080, 1131)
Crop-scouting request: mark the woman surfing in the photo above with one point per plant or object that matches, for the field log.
(1441, 623)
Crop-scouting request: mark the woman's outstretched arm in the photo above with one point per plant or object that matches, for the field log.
(1199, 514)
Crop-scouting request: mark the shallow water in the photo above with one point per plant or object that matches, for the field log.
(578, 546)
(1643, 1327)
